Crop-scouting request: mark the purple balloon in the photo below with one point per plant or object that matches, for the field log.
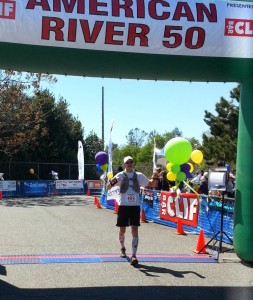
(101, 158)
(188, 174)
(185, 168)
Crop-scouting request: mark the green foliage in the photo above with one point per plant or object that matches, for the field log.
(136, 137)
(220, 144)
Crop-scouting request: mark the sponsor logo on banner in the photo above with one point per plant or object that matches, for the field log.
(239, 27)
(193, 28)
(69, 184)
(113, 195)
(94, 184)
(8, 185)
(185, 207)
(8, 9)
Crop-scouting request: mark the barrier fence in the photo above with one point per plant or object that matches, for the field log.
(160, 207)
(206, 209)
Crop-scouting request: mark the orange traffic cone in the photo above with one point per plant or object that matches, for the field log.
(98, 203)
(116, 208)
(180, 229)
(143, 217)
(201, 245)
(95, 200)
(88, 192)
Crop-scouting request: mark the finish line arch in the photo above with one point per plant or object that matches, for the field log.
(154, 39)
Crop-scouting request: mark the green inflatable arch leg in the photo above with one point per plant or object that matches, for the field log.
(243, 219)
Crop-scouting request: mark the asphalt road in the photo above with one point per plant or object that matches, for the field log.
(73, 225)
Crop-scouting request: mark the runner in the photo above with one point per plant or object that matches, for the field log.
(129, 182)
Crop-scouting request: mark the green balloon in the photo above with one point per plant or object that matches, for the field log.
(181, 176)
(178, 150)
(175, 168)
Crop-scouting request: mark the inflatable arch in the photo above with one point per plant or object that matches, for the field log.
(194, 40)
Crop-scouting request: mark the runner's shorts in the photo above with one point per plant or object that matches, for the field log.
(128, 216)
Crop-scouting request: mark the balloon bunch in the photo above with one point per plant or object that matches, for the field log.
(178, 151)
(101, 159)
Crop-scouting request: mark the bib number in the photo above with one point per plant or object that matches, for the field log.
(131, 198)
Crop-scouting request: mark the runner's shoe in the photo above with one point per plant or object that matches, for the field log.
(123, 252)
(133, 261)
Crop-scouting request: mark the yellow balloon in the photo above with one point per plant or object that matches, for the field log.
(197, 156)
(168, 166)
(191, 167)
(171, 176)
(109, 175)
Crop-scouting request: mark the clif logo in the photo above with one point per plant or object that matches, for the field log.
(7, 9)
(238, 27)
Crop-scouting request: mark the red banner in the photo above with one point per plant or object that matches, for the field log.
(185, 206)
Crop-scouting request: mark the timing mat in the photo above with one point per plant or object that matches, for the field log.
(100, 258)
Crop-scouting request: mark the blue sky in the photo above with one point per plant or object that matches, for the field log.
(147, 105)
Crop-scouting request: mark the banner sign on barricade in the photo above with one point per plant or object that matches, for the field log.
(68, 184)
(8, 186)
(112, 195)
(185, 206)
(35, 188)
(95, 186)
(63, 187)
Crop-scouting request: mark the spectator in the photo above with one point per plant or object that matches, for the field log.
(203, 187)
(156, 179)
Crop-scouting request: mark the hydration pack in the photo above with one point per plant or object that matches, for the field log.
(125, 183)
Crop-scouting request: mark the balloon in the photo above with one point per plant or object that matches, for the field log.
(168, 167)
(99, 168)
(109, 175)
(188, 175)
(185, 168)
(181, 176)
(101, 158)
(178, 150)
(191, 167)
(104, 167)
(175, 168)
(197, 156)
(171, 176)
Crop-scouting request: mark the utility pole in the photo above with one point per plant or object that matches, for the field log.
(103, 129)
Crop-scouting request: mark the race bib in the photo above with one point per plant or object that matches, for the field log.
(131, 198)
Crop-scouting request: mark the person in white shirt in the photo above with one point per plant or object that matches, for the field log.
(129, 182)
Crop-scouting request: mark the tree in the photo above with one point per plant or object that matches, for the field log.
(17, 120)
(136, 137)
(172, 134)
(221, 143)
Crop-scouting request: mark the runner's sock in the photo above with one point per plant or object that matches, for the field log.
(135, 242)
(122, 241)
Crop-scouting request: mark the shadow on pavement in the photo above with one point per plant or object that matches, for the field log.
(49, 201)
(9, 292)
(148, 270)
(3, 270)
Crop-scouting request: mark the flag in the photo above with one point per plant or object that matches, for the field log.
(154, 156)
(110, 149)
(80, 159)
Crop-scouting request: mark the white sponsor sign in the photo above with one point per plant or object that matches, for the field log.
(69, 184)
(113, 193)
(7, 185)
(193, 28)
